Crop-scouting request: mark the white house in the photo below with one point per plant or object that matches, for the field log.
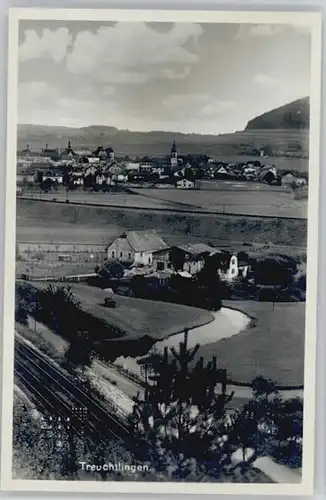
(301, 182)
(136, 247)
(103, 179)
(93, 160)
(132, 166)
(185, 184)
(233, 269)
(119, 177)
(78, 181)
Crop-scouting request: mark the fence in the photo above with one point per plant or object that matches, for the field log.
(72, 279)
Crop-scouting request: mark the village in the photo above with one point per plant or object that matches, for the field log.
(83, 169)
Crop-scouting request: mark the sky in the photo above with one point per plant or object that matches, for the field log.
(182, 77)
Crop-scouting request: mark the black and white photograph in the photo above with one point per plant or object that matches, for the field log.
(161, 251)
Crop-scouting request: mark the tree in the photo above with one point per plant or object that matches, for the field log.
(80, 353)
(268, 426)
(289, 425)
(209, 282)
(58, 308)
(47, 185)
(276, 270)
(175, 430)
(111, 269)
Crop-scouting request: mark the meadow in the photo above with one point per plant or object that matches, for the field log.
(138, 317)
(239, 198)
(273, 347)
(41, 221)
(234, 198)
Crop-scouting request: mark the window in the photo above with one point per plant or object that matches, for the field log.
(113, 254)
(160, 266)
(141, 254)
(129, 255)
(120, 254)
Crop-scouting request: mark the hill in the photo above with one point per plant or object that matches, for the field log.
(294, 115)
(281, 129)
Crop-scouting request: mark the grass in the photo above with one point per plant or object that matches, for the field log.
(39, 221)
(44, 339)
(53, 268)
(250, 200)
(139, 317)
(274, 348)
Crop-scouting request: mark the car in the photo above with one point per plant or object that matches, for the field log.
(109, 302)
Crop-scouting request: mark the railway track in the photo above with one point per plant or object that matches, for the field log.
(58, 395)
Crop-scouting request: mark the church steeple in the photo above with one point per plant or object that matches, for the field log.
(174, 155)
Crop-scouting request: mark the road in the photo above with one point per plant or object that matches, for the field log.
(59, 395)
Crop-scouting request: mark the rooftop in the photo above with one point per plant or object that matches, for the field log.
(198, 248)
(145, 241)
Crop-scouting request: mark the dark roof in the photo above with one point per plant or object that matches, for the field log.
(145, 241)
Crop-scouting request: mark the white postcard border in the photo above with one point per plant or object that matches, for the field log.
(311, 20)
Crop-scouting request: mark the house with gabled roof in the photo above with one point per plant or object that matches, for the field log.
(190, 257)
(136, 247)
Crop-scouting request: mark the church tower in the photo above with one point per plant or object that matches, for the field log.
(174, 156)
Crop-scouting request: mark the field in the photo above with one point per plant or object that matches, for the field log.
(50, 222)
(138, 317)
(273, 348)
(234, 198)
(239, 198)
(53, 268)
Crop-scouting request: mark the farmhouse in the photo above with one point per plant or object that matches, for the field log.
(136, 247)
(288, 179)
(190, 258)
